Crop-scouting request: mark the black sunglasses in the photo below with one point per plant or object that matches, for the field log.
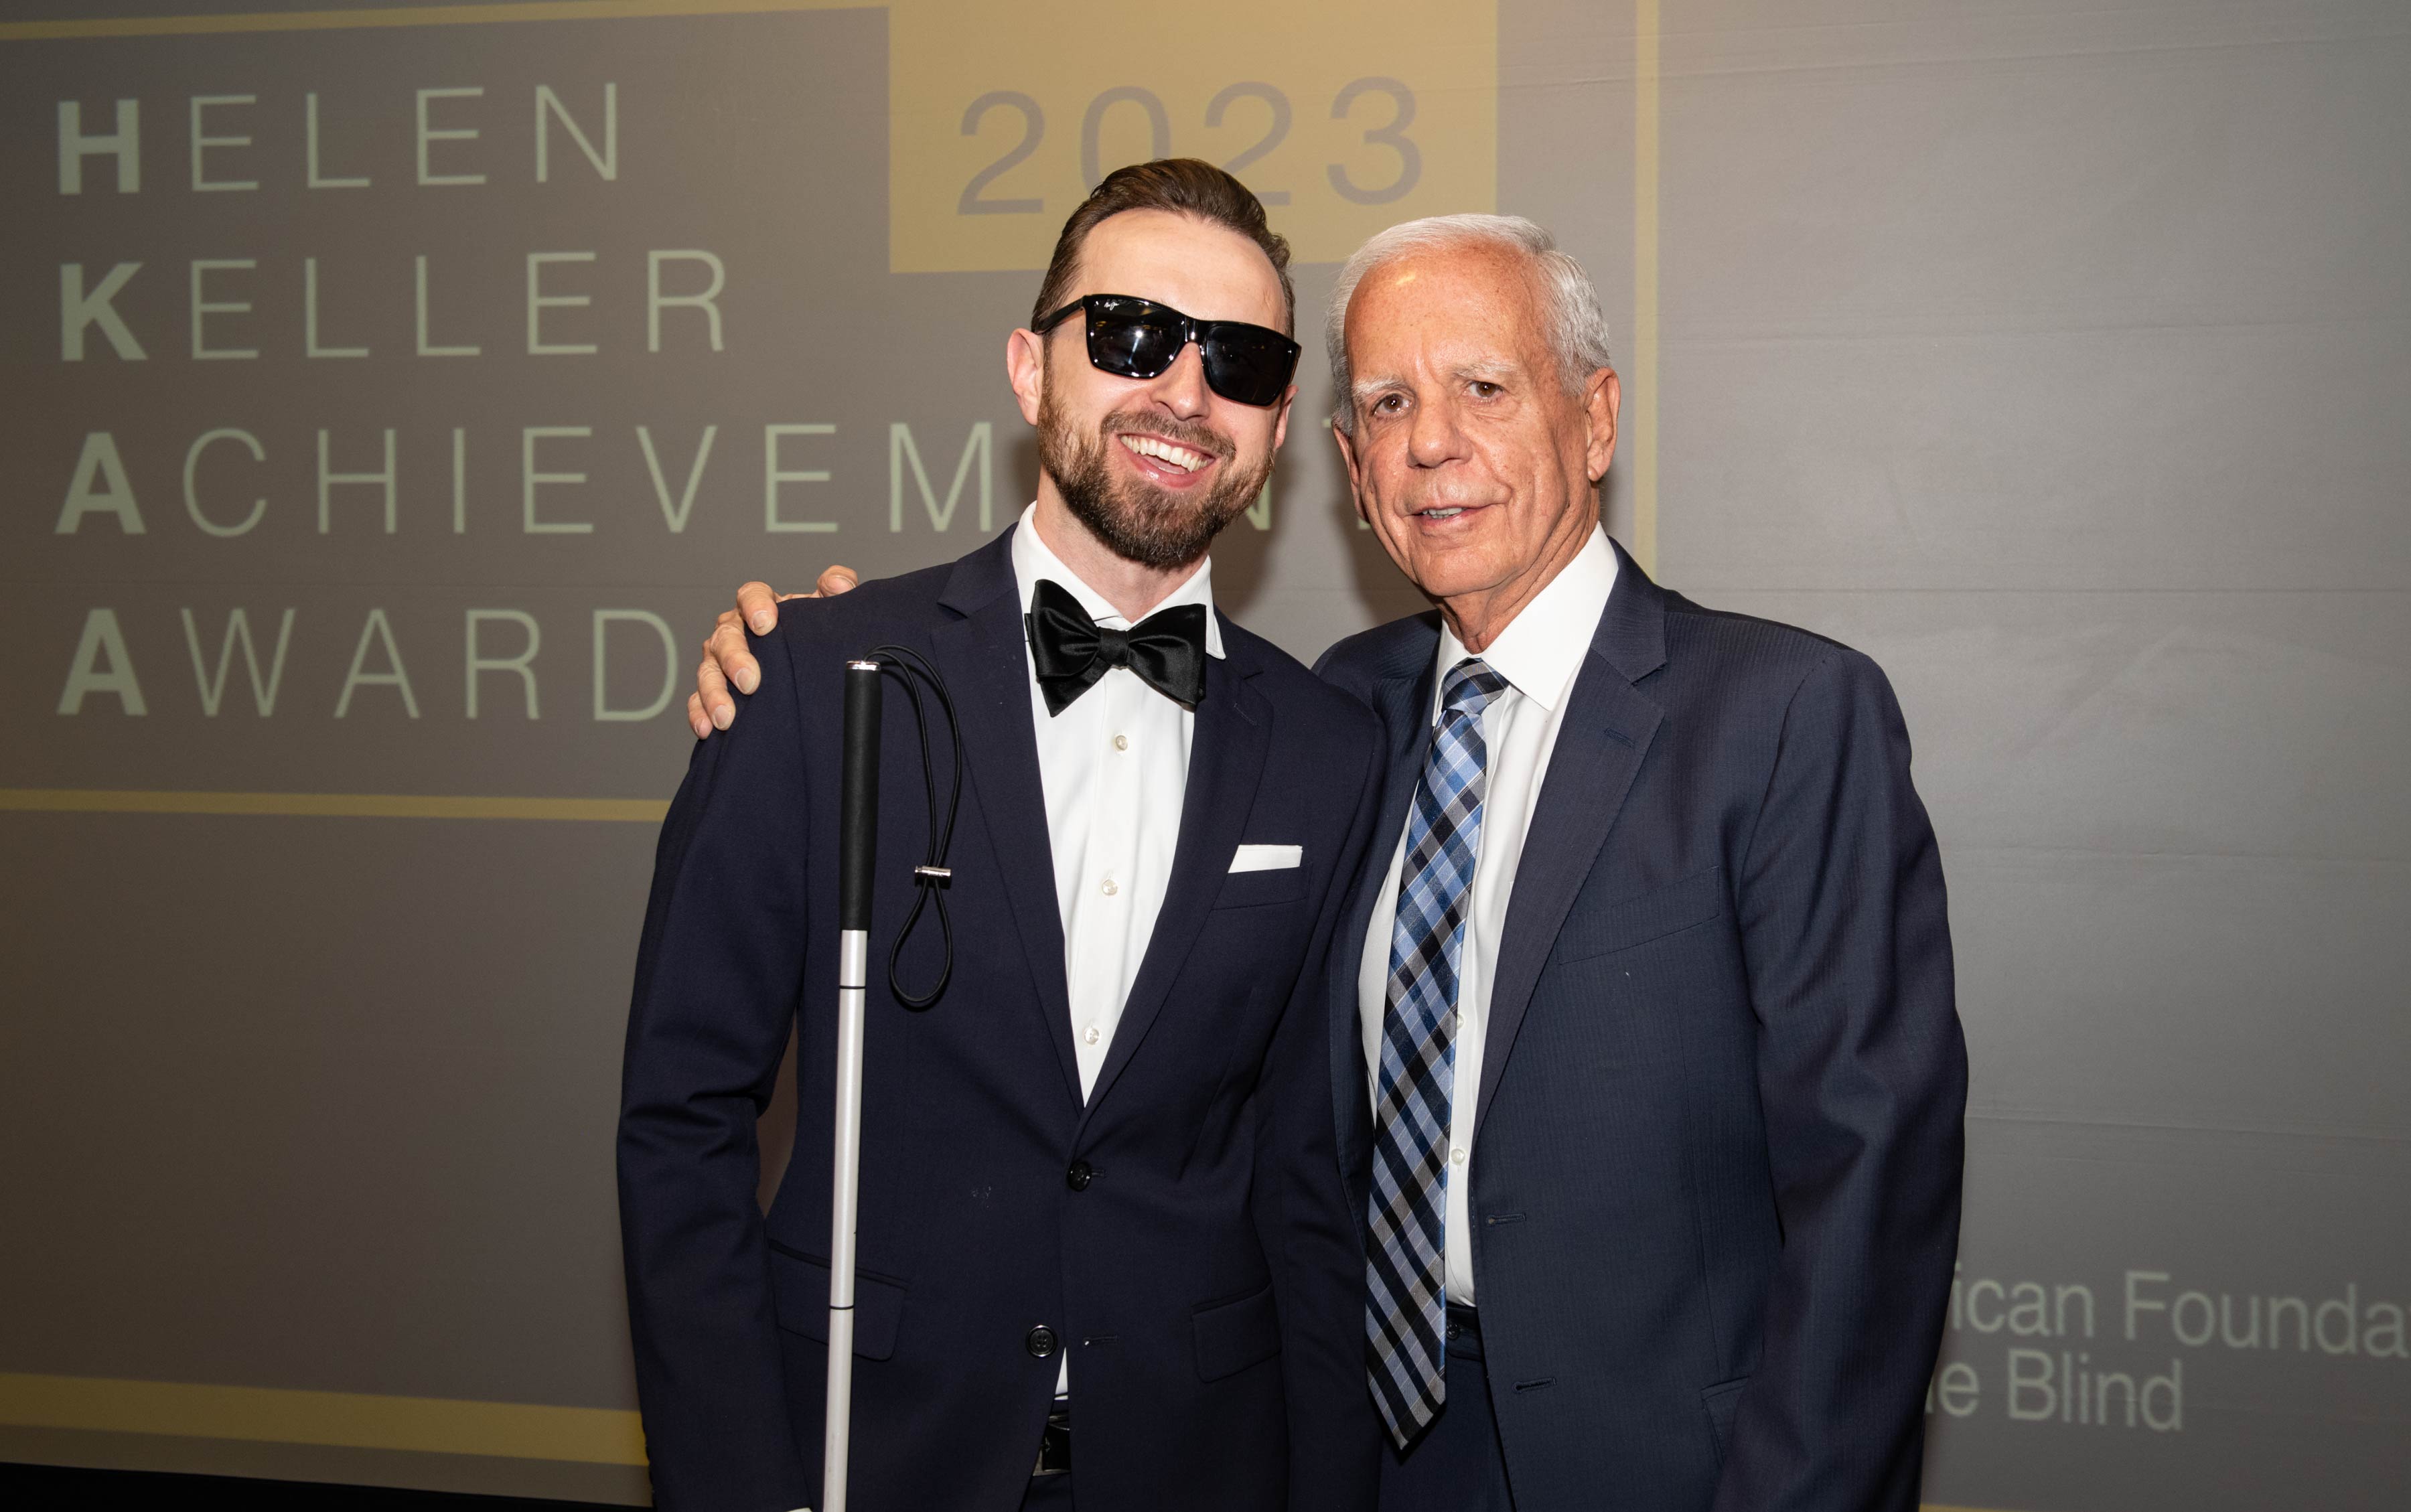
(1132, 337)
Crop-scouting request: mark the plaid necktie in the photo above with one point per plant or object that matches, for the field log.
(1406, 1306)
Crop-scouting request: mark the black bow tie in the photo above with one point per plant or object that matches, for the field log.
(1167, 650)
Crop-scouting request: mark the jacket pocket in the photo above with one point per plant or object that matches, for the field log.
(1232, 1337)
(1722, 1401)
(1249, 888)
(1591, 931)
(799, 1286)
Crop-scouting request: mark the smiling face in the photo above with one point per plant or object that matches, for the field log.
(1153, 467)
(1470, 460)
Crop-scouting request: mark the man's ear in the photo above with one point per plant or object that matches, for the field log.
(1025, 367)
(1602, 398)
(1348, 459)
(1280, 417)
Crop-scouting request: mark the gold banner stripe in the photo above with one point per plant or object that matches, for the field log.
(1641, 396)
(331, 805)
(344, 21)
(340, 1420)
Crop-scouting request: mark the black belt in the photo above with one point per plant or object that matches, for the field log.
(1463, 1332)
(1055, 1445)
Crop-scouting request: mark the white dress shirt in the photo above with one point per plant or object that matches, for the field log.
(1538, 653)
(1115, 768)
(1115, 765)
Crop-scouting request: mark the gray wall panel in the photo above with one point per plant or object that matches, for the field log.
(2054, 353)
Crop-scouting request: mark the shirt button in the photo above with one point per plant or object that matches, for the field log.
(1121, 742)
(1041, 1341)
(1110, 888)
(1456, 1157)
(1090, 1035)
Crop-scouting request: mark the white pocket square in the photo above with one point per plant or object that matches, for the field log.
(1266, 857)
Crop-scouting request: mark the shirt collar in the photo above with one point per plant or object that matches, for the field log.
(1033, 563)
(1542, 648)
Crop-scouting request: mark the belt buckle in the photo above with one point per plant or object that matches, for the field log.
(1055, 1445)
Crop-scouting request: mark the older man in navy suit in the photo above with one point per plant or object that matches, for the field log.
(1642, 1041)
(1650, 974)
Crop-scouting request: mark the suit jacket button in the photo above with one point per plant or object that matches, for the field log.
(1079, 1176)
(1040, 1343)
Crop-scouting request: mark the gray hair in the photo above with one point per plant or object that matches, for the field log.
(1569, 302)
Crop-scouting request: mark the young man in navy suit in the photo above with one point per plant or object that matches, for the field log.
(1641, 1009)
(1105, 1242)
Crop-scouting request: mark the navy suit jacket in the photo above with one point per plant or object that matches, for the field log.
(1201, 1269)
(1717, 1151)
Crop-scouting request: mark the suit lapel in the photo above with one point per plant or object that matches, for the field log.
(986, 668)
(1402, 698)
(1226, 758)
(1607, 731)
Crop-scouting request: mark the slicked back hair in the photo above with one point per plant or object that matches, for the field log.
(1185, 186)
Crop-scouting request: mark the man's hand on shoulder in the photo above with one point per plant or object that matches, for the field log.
(727, 664)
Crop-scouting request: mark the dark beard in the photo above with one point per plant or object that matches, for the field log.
(1137, 521)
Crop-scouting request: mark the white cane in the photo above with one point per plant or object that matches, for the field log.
(858, 845)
